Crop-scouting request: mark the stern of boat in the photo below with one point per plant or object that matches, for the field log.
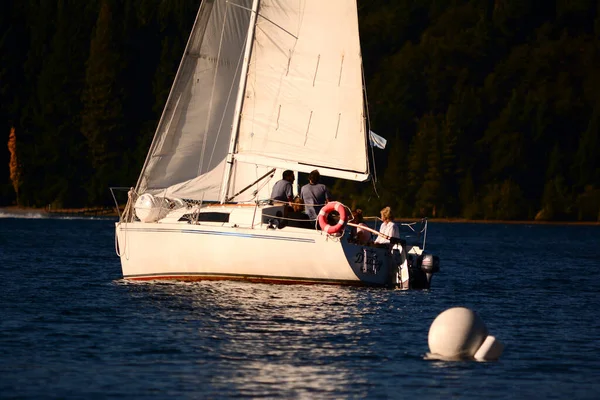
(403, 264)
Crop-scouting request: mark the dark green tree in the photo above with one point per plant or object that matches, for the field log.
(60, 147)
(13, 47)
(38, 16)
(102, 118)
(392, 189)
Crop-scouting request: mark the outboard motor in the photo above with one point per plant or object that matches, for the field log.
(430, 263)
(422, 270)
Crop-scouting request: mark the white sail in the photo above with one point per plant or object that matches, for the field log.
(302, 101)
(303, 105)
(187, 155)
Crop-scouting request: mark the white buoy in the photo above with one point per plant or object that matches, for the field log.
(458, 333)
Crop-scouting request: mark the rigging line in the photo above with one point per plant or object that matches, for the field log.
(253, 86)
(234, 132)
(262, 185)
(272, 171)
(237, 69)
(167, 128)
(265, 18)
(212, 94)
(368, 117)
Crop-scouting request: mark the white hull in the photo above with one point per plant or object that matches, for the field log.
(170, 249)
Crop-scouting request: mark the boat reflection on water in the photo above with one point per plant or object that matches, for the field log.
(260, 340)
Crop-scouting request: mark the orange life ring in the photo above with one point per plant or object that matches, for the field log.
(324, 213)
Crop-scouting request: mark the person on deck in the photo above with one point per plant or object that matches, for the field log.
(297, 217)
(282, 190)
(314, 195)
(388, 227)
(359, 234)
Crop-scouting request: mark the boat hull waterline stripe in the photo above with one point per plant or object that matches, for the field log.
(191, 276)
(242, 235)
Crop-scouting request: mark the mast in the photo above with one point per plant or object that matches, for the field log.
(239, 101)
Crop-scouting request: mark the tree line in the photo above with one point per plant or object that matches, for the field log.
(490, 108)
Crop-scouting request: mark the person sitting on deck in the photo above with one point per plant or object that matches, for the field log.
(314, 195)
(282, 190)
(297, 217)
(388, 227)
(359, 234)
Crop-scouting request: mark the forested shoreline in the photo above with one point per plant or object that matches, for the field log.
(491, 108)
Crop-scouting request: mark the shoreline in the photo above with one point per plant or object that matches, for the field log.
(87, 211)
(112, 212)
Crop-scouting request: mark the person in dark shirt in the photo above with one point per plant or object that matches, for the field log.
(282, 190)
(297, 217)
(314, 195)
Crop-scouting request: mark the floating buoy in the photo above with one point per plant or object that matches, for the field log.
(459, 333)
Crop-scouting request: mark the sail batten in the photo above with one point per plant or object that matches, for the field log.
(283, 164)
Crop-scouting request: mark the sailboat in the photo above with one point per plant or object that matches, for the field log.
(263, 86)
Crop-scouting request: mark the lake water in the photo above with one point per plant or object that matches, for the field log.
(70, 327)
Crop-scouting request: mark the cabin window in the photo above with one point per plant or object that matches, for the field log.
(206, 217)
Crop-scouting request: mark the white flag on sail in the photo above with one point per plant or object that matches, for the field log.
(376, 140)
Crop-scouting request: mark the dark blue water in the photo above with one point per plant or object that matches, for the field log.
(71, 328)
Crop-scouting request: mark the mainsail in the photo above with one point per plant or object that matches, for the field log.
(301, 101)
(304, 93)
